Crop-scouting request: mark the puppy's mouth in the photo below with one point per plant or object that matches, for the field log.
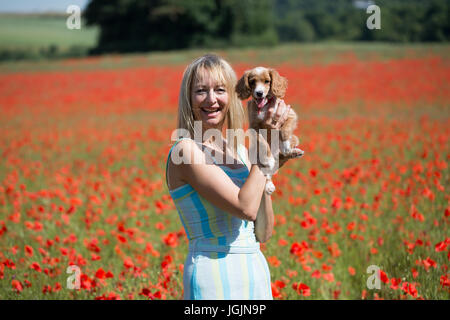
(261, 102)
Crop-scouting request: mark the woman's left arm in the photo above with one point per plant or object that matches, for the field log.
(264, 219)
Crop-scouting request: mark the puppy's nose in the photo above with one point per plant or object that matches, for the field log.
(259, 94)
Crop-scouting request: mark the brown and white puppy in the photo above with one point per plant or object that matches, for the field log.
(264, 85)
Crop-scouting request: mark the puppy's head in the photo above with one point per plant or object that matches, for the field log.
(261, 83)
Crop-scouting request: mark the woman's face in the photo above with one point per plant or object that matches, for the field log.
(209, 100)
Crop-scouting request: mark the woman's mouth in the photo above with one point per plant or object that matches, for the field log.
(211, 112)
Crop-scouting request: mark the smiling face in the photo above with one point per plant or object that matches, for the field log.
(209, 99)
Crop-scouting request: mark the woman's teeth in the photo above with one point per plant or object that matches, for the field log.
(210, 111)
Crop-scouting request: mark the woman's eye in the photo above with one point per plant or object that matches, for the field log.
(221, 90)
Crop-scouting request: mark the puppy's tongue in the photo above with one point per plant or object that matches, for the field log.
(261, 102)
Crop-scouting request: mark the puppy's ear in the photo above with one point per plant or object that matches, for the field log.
(242, 87)
(278, 85)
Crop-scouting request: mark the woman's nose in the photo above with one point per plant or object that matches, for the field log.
(212, 96)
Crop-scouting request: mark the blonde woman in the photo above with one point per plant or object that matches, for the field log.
(221, 204)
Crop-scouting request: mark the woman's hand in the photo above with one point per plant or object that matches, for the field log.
(282, 159)
(275, 119)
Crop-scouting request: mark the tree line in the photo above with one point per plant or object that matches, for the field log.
(146, 25)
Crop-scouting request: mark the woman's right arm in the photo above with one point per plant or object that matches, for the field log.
(215, 186)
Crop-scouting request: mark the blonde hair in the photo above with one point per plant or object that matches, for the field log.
(221, 72)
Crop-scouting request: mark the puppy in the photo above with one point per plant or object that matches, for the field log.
(264, 85)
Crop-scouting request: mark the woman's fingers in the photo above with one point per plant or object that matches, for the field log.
(269, 118)
(277, 114)
(280, 110)
(285, 115)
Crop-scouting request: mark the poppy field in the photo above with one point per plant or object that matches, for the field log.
(364, 214)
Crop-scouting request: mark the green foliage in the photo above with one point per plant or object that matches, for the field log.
(138, 25)
(141, 25)
(401, 21)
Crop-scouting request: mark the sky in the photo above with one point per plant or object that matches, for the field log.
(39, 5)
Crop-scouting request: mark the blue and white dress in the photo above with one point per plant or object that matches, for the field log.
(224, 260)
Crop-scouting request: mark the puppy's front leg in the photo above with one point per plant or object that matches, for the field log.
(286, 134)
(270, 187)
(267, 166)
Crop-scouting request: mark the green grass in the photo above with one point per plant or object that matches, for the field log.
(34, 31)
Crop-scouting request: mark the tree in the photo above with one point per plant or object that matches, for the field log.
(142, 25)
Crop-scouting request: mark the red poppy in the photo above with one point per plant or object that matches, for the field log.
(28, 251)
(444, 280)
(395, 283)
(428, 263)
(171, 239)
(328, 277)
(17, 285)
(302, 289)
(128, 263)
(36, 267)
(412, 290)
(273, 260)
(100, 274)
(441, 246)
(351, 271)
(383, 277)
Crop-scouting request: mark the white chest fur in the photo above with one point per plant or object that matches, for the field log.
(261, 115)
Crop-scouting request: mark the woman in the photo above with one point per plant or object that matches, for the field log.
(223, 207)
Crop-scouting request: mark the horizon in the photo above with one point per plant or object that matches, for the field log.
(41, 6)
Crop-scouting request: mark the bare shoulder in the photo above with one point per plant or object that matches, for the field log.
(185, 153)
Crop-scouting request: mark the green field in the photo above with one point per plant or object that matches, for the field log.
(40, 35)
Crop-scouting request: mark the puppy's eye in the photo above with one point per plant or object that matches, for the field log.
(267, 81)
(251, 82)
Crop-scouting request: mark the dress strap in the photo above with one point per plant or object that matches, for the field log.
(210, 154)
(241, 150)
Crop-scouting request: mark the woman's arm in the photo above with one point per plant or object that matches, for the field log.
(264, 220)
(215, 186)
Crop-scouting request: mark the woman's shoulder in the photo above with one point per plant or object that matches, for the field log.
(184, 151)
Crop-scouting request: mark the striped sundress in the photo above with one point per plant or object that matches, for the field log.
(224, 259)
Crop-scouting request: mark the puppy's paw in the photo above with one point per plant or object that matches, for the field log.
(271, 163)
(270, 187)
(268, 163)
(296, 153)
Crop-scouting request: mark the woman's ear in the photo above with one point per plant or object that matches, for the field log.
(278, 85)
(242, 87)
